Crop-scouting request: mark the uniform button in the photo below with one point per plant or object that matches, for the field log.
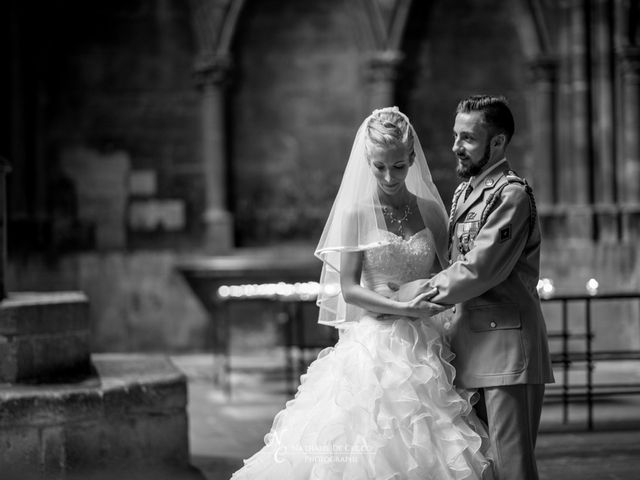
(493, 324)
(453, 309)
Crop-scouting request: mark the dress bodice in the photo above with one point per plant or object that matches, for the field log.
(398, 261)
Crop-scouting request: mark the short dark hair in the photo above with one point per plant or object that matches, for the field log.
(495, 110)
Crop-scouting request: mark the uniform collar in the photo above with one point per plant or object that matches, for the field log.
(477, 180)
(486, 180)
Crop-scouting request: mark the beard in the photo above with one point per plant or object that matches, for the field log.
(474, 169)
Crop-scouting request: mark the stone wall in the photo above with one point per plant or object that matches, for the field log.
(453, 50)
(297, 99)
(94, 81)
(137, 301)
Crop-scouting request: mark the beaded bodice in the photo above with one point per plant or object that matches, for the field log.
(398, 261)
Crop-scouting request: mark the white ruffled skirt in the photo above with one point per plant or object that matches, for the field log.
(379, 405)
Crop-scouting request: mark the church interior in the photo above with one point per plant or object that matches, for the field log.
(144, 139)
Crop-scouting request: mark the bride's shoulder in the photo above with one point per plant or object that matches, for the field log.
(426, 202)
(433, 215)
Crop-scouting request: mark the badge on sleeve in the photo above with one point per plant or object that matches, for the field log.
(505, 233)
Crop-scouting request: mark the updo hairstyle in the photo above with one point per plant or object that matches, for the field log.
(388, 128)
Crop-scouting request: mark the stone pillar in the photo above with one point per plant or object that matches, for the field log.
(18, 81)
(382, 70)
(4, 169)
(545, 181)
(564, 169)
(212, 73)
(604, 141)
(580, 217)
(630, 72)
(580, 103)
(543, 71)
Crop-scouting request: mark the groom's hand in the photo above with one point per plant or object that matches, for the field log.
(426, 309)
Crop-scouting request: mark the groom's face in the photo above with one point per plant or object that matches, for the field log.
(471, 144)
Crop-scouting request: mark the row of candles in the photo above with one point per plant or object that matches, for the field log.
(310, 290)
(546, 288)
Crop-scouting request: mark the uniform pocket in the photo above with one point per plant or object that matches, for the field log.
(496, 345)
(498, 316)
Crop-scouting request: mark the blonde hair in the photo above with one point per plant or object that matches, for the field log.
(388, 128)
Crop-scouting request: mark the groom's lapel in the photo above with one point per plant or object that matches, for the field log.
(488, 183)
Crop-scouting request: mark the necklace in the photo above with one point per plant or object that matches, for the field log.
(393, 220)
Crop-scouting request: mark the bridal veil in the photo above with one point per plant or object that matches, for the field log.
(356, 223)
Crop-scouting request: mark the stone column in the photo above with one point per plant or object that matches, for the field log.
(564, 170)
(545, 181)
(382, 70)
(579, 219)
(212, 73)
(580, 104)
(18, 81)
(543, 72)
(630, 72)
(4, 169)
(604, 141)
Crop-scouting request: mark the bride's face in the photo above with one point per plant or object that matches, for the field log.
(390, 168)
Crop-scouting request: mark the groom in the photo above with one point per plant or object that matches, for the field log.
(500, 338)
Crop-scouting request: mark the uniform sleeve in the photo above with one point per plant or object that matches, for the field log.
(497, 248)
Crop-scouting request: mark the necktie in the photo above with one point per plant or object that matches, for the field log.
(467, 192)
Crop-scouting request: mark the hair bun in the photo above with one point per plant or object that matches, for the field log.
(393, 109)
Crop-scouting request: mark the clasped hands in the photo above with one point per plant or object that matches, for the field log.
(420, 305)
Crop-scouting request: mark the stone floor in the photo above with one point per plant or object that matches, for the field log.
(225, 430)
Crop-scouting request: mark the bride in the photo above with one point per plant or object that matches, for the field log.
(381, 403)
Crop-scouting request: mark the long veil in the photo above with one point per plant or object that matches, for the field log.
(355, 224)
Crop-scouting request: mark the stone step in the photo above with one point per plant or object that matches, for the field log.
(44, 336)
(129, 420)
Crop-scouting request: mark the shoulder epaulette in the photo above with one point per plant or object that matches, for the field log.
(513, 177)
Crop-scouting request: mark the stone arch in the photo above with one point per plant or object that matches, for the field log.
(534, 32)
(383, 22)
(215, 23)
(297, 94)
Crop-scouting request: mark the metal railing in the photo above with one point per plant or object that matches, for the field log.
(570, 358)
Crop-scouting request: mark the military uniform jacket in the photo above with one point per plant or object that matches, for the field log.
(499, 335)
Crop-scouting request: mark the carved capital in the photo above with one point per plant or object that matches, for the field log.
(382, 66)
(213, 70)
(543, 69)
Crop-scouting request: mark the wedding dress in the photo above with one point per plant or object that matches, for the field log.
(380, 404)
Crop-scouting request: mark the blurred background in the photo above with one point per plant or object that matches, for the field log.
(145, 132)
